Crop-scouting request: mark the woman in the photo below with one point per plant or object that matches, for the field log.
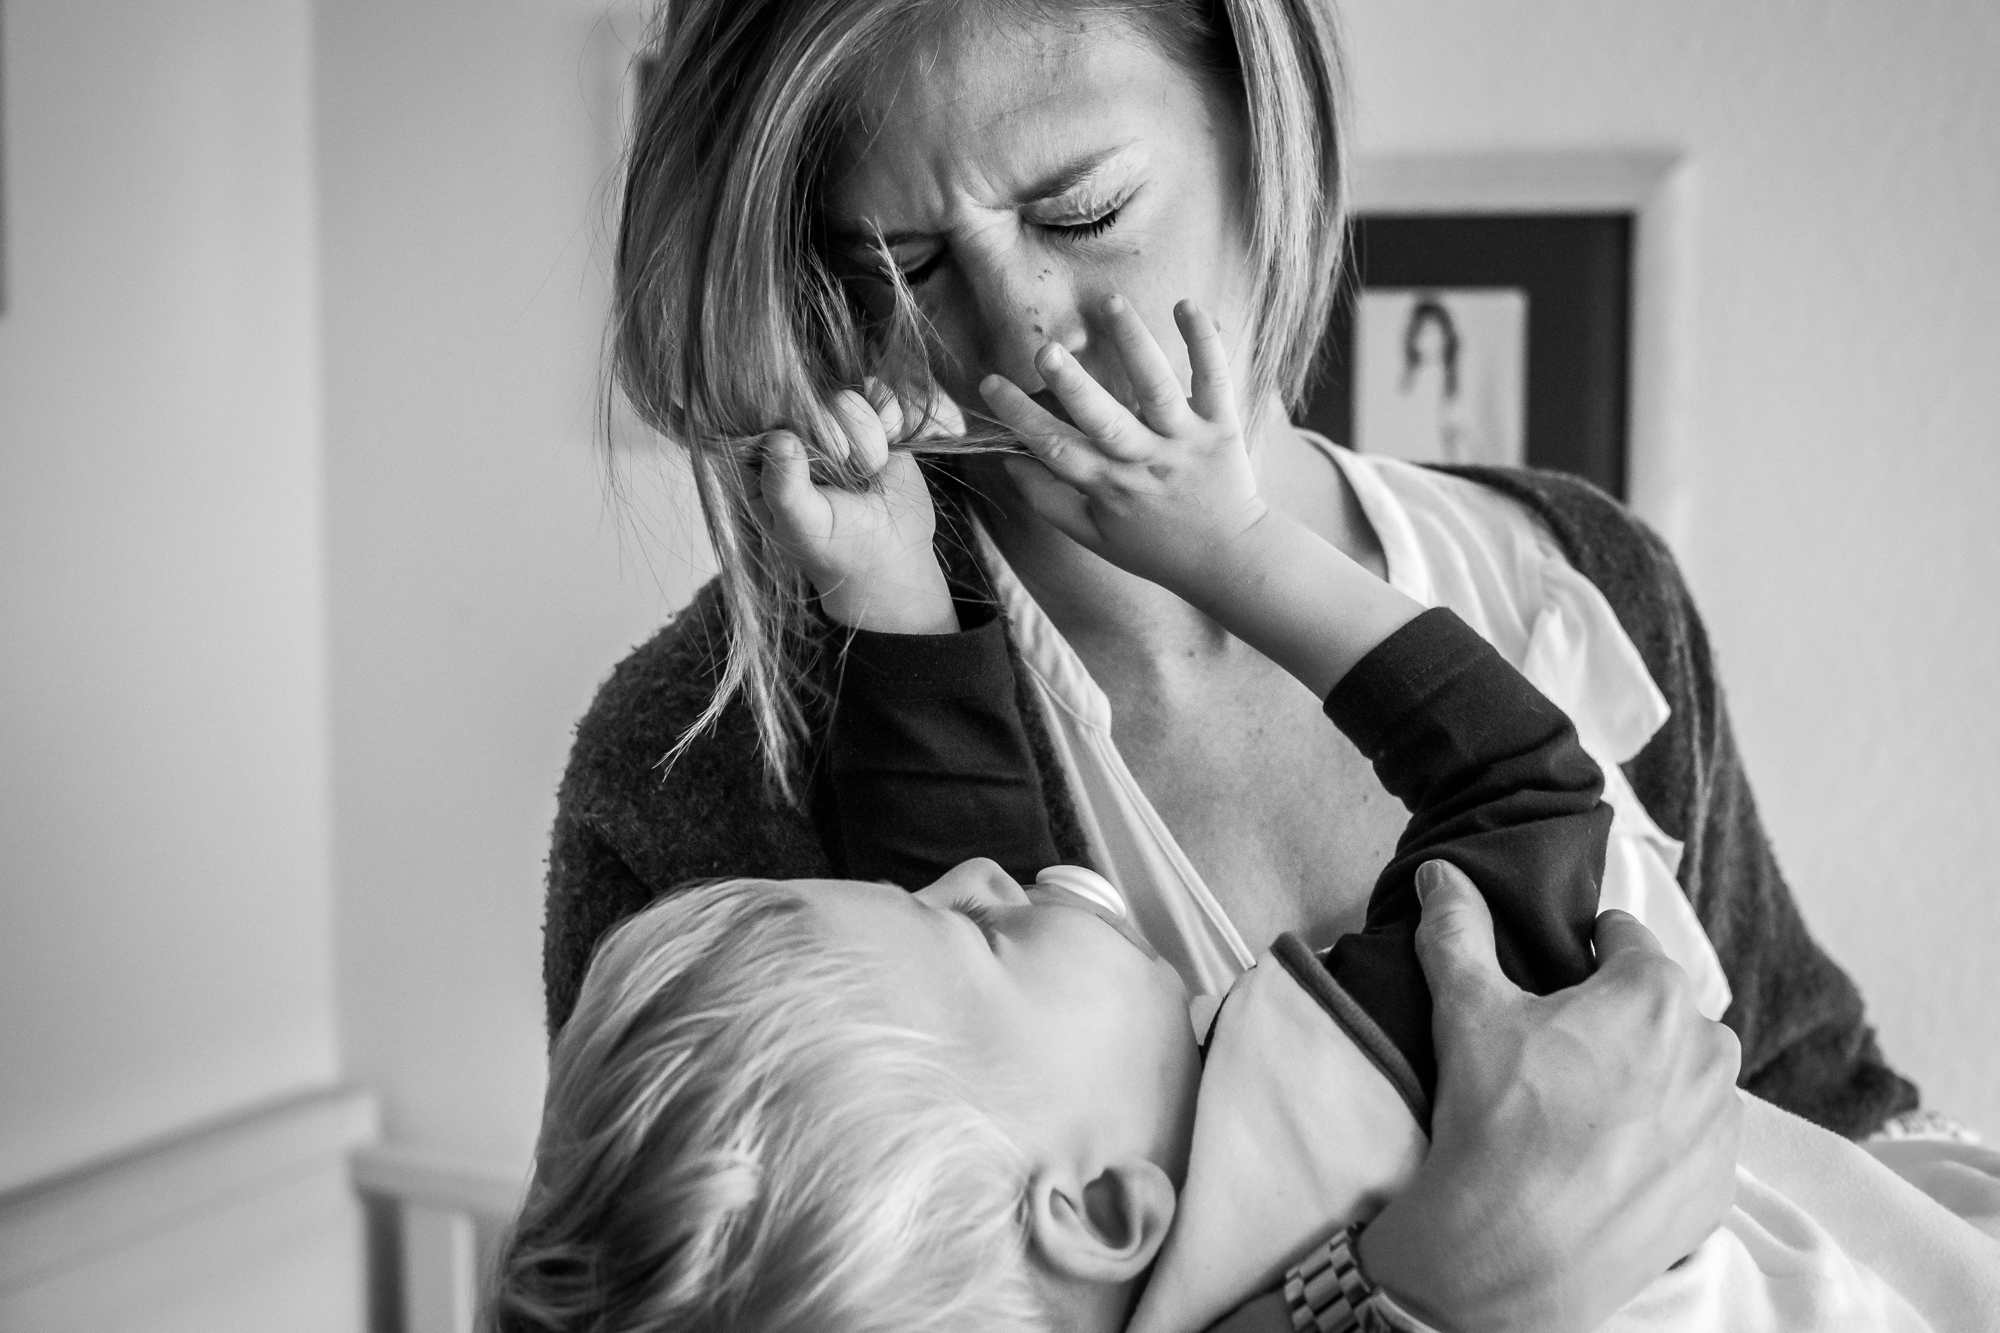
(827, 190)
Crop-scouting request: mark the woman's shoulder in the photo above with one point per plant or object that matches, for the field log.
(630, 826)
(618, 788)
(1609, 545)
(651, 696)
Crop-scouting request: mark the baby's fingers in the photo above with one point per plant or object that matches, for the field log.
(1095, 412)
(1062, 507)
(1214, 395)
(1152, 376)
(1061, 449)
(888, 410)
(867, 442)
(786, 486)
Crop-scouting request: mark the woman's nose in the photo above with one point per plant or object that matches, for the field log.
(1020, 303)
(980, 880)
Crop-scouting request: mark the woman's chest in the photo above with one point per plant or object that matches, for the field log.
(1278, 812)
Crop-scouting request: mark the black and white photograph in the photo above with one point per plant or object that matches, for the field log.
(999, 666)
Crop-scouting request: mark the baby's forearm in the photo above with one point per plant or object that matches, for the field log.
(912, 600)
(1299, 600)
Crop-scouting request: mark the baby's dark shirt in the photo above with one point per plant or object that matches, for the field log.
(929, 763)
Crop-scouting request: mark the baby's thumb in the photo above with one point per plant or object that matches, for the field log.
(1455, 937)
(787, 472)
(943, 417)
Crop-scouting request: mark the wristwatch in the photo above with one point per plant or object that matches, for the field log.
(1327, 1292)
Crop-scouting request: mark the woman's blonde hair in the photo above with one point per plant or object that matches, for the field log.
(731, 1143)
(730, 321)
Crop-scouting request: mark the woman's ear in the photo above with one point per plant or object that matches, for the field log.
(1107, 1230)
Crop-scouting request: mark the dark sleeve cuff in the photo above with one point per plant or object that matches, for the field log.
(972, 663)
(1410, 667)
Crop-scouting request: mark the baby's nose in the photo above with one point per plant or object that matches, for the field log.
(980, 880)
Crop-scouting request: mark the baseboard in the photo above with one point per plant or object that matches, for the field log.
(180, 1224)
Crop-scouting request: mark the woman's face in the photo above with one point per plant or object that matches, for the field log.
(1022, 171)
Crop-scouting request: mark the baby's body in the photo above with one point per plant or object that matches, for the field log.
(1314, 1097)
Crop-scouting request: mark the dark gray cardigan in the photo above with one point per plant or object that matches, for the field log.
(625, 832)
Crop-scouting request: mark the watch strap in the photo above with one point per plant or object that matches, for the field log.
(1327, 1291)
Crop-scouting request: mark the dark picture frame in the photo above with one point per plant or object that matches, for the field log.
(1576, 269)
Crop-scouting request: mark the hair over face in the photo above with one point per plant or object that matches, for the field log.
(730, 321)
(730, 1142)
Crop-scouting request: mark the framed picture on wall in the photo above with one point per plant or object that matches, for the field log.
(1485, 338)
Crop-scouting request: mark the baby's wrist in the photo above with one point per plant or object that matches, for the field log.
(1231, 581)
(913, 601)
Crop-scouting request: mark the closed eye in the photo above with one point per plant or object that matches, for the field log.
(917, 276)
(980, 915)
(1082, 231)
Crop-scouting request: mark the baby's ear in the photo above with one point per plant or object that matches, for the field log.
(1107, 1230)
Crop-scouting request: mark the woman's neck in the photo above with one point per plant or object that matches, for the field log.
(1107, 613)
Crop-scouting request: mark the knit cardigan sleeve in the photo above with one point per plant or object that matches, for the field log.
(629, 828)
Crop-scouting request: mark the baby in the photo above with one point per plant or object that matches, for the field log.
(838, 1105)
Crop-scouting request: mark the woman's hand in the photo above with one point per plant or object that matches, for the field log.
(1582, 1142)
(1167, 494)
(866, 553)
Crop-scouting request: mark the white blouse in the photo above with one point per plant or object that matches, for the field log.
(1446, 542)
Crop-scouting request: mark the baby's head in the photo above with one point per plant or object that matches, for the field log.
(829, 1106)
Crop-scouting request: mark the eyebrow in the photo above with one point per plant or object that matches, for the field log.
(1057, 182)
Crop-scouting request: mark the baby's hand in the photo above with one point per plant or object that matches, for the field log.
(866, 553)
(1168, 494)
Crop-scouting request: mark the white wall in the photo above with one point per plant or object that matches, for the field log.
(165, 914)
(480, 583)
(1840, 438)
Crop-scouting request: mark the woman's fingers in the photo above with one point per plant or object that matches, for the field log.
(1152, 376)
(1095, 412)
(1455, 943)
(1058, 446)
(1214, 389)
(1622, 933)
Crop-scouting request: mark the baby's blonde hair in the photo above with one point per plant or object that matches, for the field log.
(732, 1141)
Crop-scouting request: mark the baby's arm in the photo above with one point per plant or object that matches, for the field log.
(1492, 772)
(1497, 784)
(927, 761)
